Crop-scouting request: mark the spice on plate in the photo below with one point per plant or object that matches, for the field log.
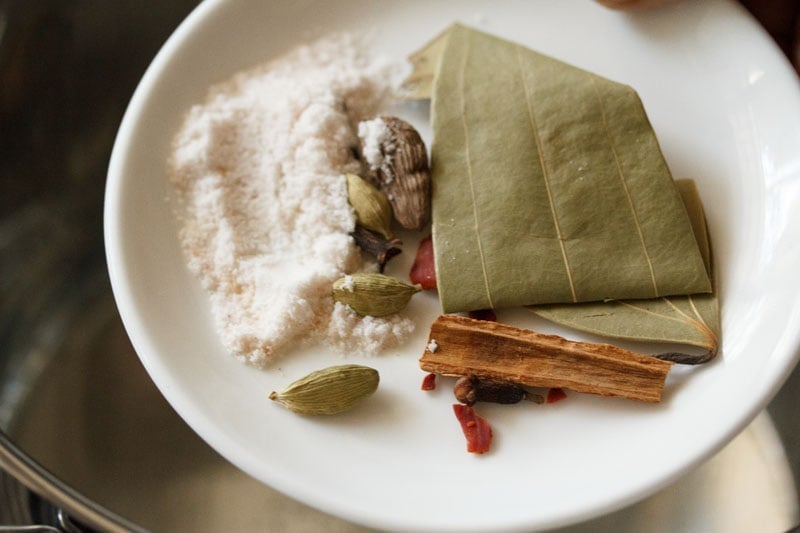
(257, 180)
(371, 206)
(569, 199)
(469, 390)
(499, 352)
(483, 314)
(477, 429)
(691, 320)
(329, 391)
(374, 295)
(398, 162)
(376, 245)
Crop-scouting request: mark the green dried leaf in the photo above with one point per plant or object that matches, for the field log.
(424, 64)
(692, 320)
(548, 185)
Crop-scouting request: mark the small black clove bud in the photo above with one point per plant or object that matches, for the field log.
(469, 390)
(376, 245)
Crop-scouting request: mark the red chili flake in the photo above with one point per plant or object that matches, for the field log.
(476, 429)
(429, 382)
(556, 394)
(483, 314)
(423, 271)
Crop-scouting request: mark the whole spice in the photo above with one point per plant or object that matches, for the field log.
(329, 391)
(476, 429)
(690, 321)
(371, 206)
(574, 134)
(469, 390)
(499, 352)
(423, 271)
(424, 63)
(399, 164)
(483, 314)
(373, 294)
(377, 245)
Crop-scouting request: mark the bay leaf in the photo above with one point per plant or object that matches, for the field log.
(418, 85)
(691, 320)
(549, 185)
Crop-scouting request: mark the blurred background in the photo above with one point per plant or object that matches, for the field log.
(87, 441)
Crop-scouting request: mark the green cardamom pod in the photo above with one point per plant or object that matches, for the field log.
(329, 391)
(373, 294)
(372, 208)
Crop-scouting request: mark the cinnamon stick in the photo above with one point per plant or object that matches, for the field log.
(499, 352)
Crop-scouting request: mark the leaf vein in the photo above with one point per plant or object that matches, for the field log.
(710, 333)
(628, 197)
(700, 325)
(653, 313)
(540, 153)
(468, 159)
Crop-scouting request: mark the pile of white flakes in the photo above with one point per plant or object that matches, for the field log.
(258, 178)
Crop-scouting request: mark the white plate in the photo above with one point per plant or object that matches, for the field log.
(725, 106)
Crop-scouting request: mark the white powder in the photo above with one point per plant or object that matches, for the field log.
(257, 172)
(349, 283)
(377, 143)
(432, 346)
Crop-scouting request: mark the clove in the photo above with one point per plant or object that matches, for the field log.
(469, 390)
(377, 245)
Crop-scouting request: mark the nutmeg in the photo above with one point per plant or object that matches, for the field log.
(398, 165)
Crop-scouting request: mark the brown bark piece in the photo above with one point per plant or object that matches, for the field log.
(499, 352)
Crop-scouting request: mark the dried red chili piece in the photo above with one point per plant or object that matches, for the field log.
(429, 382)
(555, 394)
(423, 271)
(483, 314)
(476, 429)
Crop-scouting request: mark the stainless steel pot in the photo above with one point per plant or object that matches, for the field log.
(88, 443)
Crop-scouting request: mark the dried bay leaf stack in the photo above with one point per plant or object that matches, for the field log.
(691, 320)
(549, 185)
